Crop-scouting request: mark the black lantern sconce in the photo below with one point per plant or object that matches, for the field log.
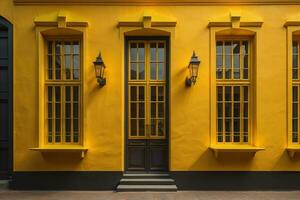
(99, 70)
(193, 68)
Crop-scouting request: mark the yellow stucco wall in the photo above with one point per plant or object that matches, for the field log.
(189, 107)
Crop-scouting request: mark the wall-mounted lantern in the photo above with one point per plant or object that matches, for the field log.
(99, 70)
(193, 68)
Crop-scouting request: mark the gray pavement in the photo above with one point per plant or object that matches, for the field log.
(185, 195)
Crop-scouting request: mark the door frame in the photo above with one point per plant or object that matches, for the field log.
(4, 22)
(126, 53)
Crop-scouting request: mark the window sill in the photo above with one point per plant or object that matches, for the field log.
(292, 150)
(62, 148)
(234, 149)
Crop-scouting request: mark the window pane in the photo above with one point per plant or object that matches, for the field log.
(50, 134)
(236, 109)
(153, 71)
(219, 63)
(133, 71)
(295, 47)
(68, 66)
(220, 125)
(49, 93)
(75, 93)
(219, 47)
(227, 93)
(153, 93)
(220, 93)
(161, 110)
(228, 109)
(153, 127)
(161, 71)
(133, 126)
(75, 125)
(68, 93)
(228, 125)
(161, 93)
(58, 48)
(153, 110)
(57, 67)
(245, 47)
(228, 48)
(50, 110)
(50, 43)
(133, 110)
(236, 91)
(161, 127)
(246, 125)
(141, 110)
(141, 93)
(228, 67)
(76, 137)
(50, 67)
(76, 64)
(133, 93)
(245, 109)
(57, 130)
(161, 52)
(236, 59)
(141, 127)
(245, 93)
(75, 110)
(141, 52)
(220, 110)
(153, 52)
(295, 94)
(68, 130)
(295, 110)
(76, 48)
(236, 47)
(141, 71)
(133, 52)
(67, 47)
(68, 110)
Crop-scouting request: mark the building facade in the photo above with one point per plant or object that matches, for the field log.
(233, 123)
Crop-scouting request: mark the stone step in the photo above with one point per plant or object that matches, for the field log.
(3, 184)
(143, 188)
(147, 181)
(146, 175)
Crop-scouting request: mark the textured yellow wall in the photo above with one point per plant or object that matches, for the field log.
(189, 112)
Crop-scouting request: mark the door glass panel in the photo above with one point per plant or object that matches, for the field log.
(153, 71)
(146, 106)
(161, 71)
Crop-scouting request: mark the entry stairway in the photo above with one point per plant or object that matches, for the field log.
(140, 182)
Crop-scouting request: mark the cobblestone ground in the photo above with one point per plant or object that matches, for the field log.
(191, 195)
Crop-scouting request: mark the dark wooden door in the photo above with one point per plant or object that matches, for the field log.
(5, 99)
(147, 135)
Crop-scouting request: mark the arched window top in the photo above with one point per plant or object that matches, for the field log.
(62, 32)
(235, 32)
(147, 32)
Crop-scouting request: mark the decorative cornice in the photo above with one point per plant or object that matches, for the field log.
(140, 24)
(235, 22)
(59, 21)
(229, 24)
(147, 23)
(159, 2)
(292, 23)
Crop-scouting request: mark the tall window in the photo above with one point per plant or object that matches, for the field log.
(295, 92)
(233, 82)
(63, 91)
